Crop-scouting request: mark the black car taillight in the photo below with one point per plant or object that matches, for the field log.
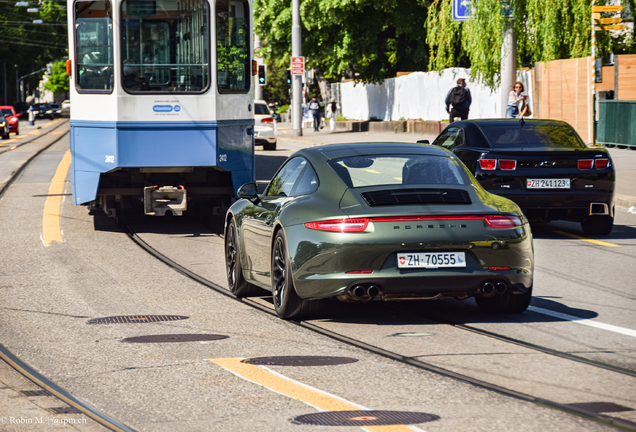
(601, 163)
(585, 164)
(507, 164)
(488, 164)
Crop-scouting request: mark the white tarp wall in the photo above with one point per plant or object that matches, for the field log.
(421, 95)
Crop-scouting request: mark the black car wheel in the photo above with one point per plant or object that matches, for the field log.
(235, 280)
(507, 302)
(597, 225)
(286, 302)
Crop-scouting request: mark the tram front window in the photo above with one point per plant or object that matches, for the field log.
(164, 46)
(94, 46)
(232, 46)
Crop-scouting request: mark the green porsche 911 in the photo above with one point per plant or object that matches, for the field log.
(377, 221)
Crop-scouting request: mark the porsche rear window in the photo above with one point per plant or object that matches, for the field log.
(378, 170)
(532, 135)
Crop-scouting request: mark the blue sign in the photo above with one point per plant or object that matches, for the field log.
(162, 108)
(461, 10)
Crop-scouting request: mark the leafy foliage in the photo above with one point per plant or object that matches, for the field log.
(365, 39)
(546, 30)
(28, 47)
(59, 81)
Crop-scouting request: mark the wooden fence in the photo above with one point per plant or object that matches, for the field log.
(562, 89)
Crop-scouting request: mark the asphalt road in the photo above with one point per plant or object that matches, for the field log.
(583, 305)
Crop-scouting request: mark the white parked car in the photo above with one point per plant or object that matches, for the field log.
(66, 104)
(265, 132)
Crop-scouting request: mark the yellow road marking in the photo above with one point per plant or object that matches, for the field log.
(51, 230)
(371, 171)
(285, 386)
(598, 242)
(398, 178)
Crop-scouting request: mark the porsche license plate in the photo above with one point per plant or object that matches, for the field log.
(431, 260)
(548, 183)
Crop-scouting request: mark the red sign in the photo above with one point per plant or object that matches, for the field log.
(298, 65)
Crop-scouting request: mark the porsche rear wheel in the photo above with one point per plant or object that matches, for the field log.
(507, 302)
(235, 280)
(287, 304)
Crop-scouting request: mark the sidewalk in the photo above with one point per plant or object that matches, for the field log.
(624, 160)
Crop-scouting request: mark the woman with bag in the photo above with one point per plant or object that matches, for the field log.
(332, 114)
(515, 98)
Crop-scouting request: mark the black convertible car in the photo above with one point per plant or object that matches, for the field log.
(542, 165)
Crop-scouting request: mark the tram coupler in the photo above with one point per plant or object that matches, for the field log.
(159, 200)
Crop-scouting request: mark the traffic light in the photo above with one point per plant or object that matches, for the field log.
(262, 74)
(289, 76)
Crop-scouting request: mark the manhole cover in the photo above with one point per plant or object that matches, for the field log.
(133, 319)
(36, 393)
(600, 407)
(300, 361)
(365, 418)
(65, 410)
(174, 338)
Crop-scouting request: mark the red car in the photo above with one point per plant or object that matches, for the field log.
(9, 113)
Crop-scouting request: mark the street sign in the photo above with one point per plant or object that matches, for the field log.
(607, 8)
(610, 27)
(298, 65)
(608, 20)
(461, 10)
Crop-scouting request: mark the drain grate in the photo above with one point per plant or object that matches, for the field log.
(36, 393)
(174, 338)
(601, 407)
(135, 319)
(65, 410)
(300, 361)
(365, 418)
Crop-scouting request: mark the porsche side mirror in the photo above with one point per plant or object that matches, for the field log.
(423, 142)
(248, 191)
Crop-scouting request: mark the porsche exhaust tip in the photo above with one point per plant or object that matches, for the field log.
(363, 292)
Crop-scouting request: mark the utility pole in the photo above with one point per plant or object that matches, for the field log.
(508, 63)
(297, 80)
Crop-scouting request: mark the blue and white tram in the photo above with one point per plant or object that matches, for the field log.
(162, 103)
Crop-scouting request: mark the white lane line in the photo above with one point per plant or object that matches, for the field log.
(587, 322)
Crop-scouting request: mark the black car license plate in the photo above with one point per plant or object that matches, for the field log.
(548, 183)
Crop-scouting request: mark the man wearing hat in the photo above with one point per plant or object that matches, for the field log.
(459, 98)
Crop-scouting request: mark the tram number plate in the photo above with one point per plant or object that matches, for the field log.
(548, 183)
(431, 260)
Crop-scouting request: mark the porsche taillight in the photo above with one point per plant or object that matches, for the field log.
(488, 164)
(499, 221)
(585, 164)
(601, 163)
(340, 225)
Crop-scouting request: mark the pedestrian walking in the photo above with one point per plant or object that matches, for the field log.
(516, 97)
(314, 109)
(332, 114)
(459, 98)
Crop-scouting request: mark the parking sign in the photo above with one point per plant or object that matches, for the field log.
(461, 10)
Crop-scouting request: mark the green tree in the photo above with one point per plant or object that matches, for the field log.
(546, 30)
(28, 47)
(363, 39)
(277, 89)
(58, 82)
